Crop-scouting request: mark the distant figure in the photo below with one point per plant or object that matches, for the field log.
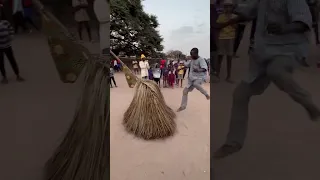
(6, 36)
(226, 39)
(180, 70)
(18, 17)
(171, 78)
(157, 74)
(162, 65)
(81, 16)
(112, 78)
(165, 74)
(135, 67)
(28, 13)
(197, 76)
(144, 67)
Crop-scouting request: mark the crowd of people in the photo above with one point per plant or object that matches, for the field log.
(225, 42)
(171, 72)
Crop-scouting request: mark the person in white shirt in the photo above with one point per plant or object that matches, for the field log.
(144, 66)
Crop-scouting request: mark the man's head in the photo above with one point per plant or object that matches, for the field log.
(194, 53)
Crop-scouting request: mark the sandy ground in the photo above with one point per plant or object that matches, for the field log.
(34, 116)
(186, 156)
(282, 143)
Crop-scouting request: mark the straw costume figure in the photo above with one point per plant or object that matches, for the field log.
(83, 153)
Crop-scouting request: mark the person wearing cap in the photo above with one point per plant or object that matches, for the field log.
(281, 44)
(144, 67)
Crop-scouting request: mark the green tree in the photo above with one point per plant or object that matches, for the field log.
(132, 30)
(176, 54)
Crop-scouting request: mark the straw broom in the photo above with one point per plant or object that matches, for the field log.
(83, 153)
(148, 117)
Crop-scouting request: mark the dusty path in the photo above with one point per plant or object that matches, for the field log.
(184, 157)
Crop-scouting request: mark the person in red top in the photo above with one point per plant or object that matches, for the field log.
(162, 65)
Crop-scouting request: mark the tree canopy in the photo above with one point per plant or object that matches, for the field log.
(176, 54)
(133, 31)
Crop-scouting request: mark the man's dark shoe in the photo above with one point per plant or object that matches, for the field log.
(226, 150)
(314, 115)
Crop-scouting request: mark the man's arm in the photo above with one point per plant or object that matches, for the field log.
(300, 16)
(203, 66)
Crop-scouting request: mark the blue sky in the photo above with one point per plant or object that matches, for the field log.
(184, 24)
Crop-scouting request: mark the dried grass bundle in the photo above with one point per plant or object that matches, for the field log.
(83, 153)
(148, 116)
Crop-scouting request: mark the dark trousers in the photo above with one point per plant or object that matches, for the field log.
(30, 21)
(87, 26)
(9, 53)
(113, 80)
(19, 21)
(239, 35)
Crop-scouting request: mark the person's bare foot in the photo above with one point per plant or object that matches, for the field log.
(4, 81)
(20, 79)
(181, 109)
(208, 97)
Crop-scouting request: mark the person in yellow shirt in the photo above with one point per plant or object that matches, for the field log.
(180, 69)
(226, 39)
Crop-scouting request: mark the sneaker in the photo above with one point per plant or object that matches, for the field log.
(4, 81)
(226, 150)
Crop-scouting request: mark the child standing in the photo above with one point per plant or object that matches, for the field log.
(6, 36)
(112, 78)
(180, 70)
(226, 39)
(165, 74)
(171, 78)
(150, 74)
(157, 74)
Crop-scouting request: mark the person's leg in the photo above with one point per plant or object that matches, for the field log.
(2, 68)
(80, 29)
(229, 66)
(184, 101)
(218, 66)
(110, 82)
(86, 23)
(197, 85)
(252, 33)
(280, 71)
(239, 35)
(22, 21)
(9, 53)
(30, 21)
(114, 81)
(16, 22)
(255, 84)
